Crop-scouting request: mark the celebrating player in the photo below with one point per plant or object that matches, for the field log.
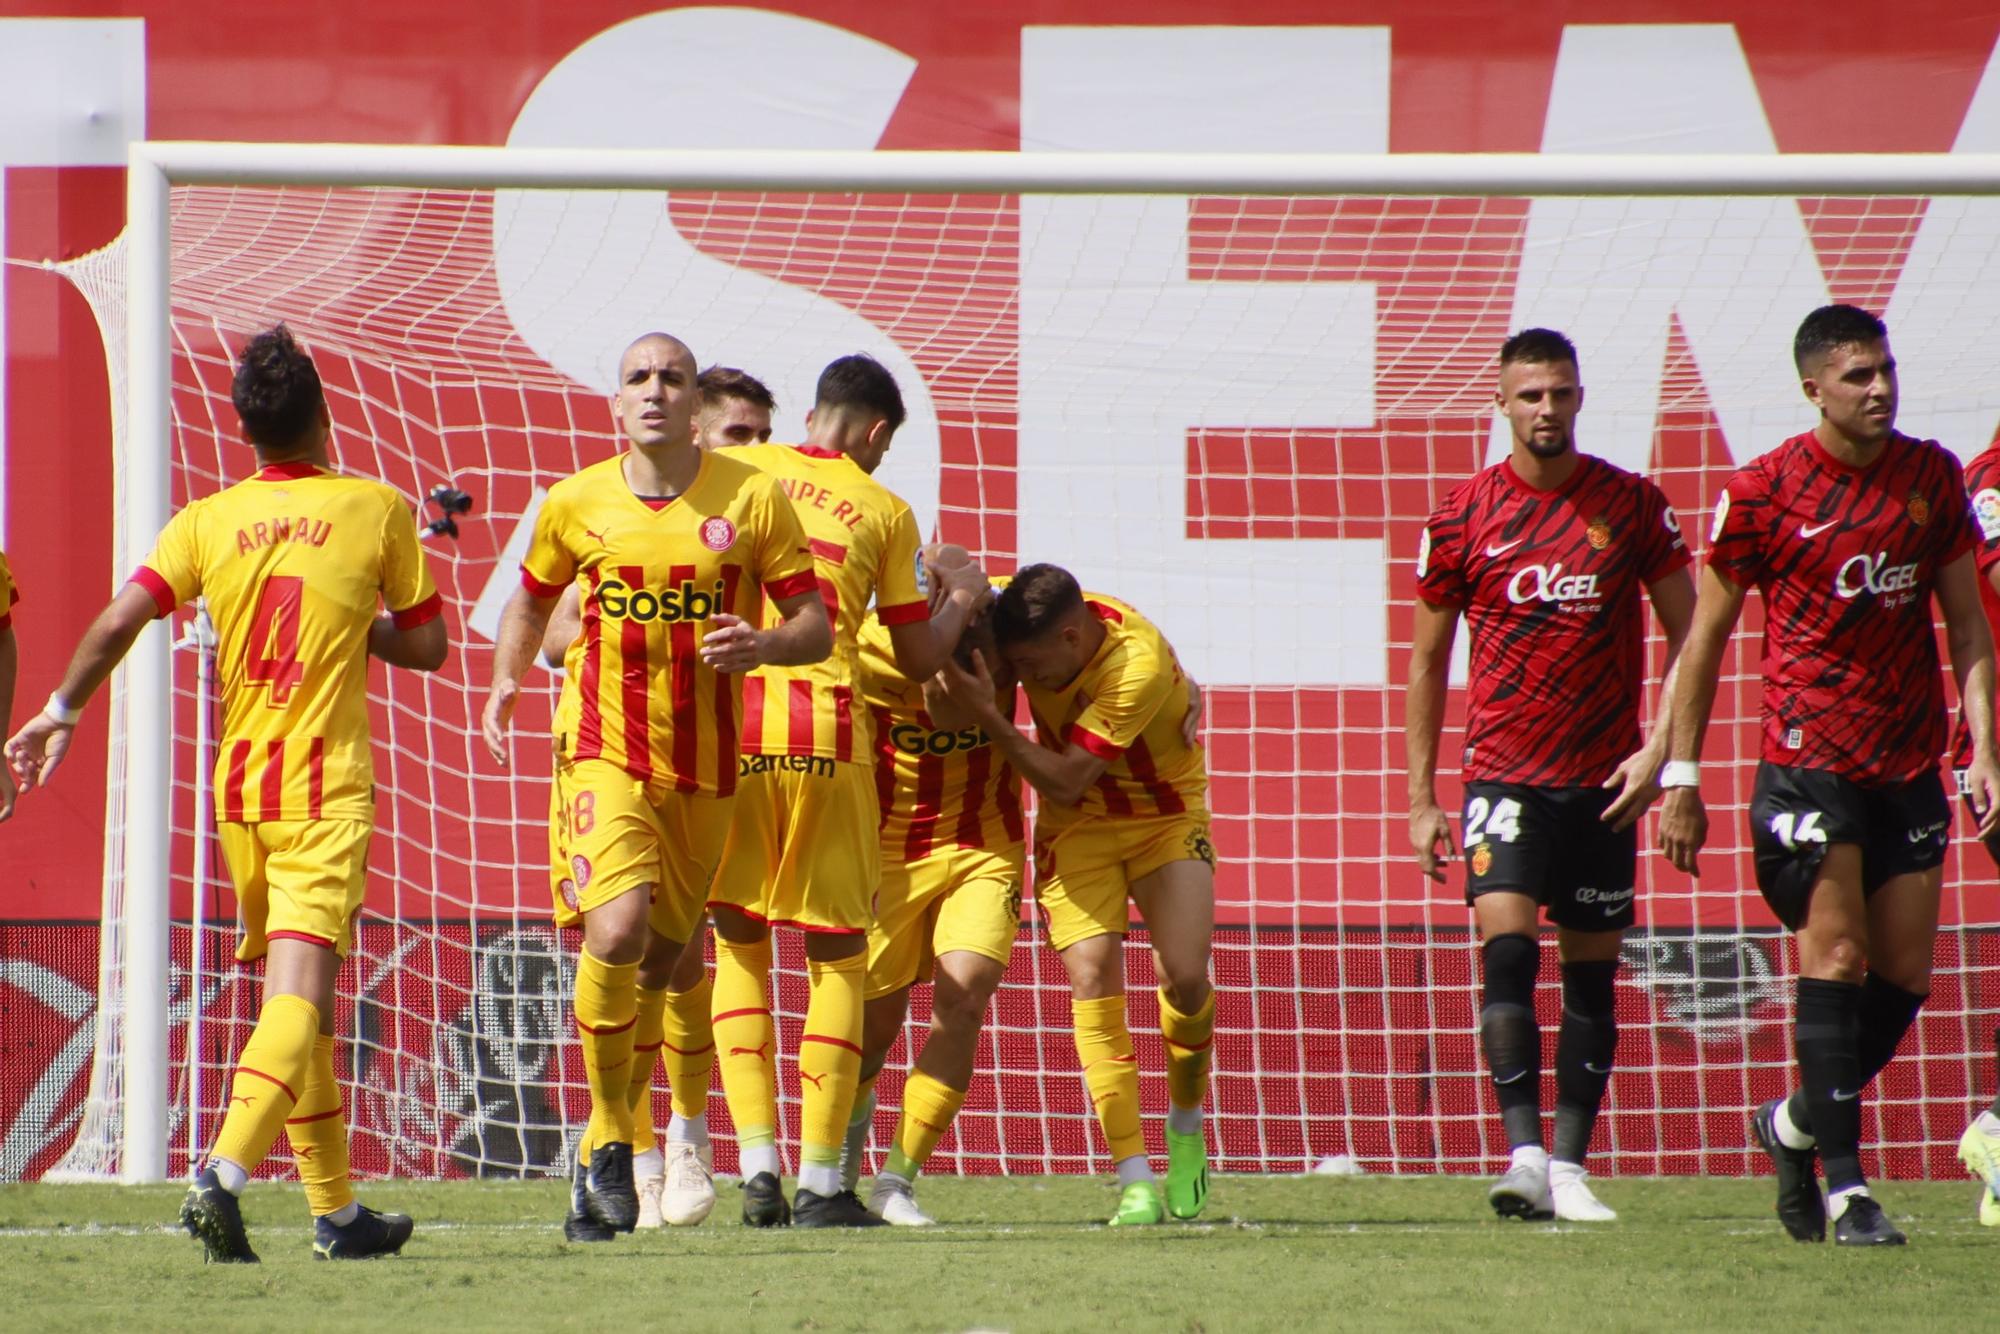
(1848, 531)
(1545, 554)
(662, 540)
(802, 850)
(293, 563)
(10, 660)
(1979, 1147)
(1124, 815)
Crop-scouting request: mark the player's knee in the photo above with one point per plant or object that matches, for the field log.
(1509, 963)
(1590, 990)
(1187, 991)
(1835, 956)
(957, 1013)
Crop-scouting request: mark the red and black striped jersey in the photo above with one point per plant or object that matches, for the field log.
(1982, 480)
(1846, 559)
(1550, 585)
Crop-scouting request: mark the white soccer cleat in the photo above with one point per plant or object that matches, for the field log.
(689, 1192)
(1522, 1193)
(648, 1186)
(1569, 1188)
(1979, 1150)
(892, 1202)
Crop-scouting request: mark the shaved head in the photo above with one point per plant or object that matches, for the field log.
(656, 395)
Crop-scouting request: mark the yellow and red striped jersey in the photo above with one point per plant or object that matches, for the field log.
(1126, 707)
(9, 594)
(865, 545)
(652, 573)
(294, 563)
(938, 789)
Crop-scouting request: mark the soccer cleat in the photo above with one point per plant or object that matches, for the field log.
(1187, 1174)
(649, 1186)
(579, 1225)
(764, 1203)
(689, 1191)
(609, 1196)
(1523, 1192)
(1574, 1200)
(893, 1202)
(1140, 1205)
(1863, 1223)
(1979, 1150)
(214, 1218)
(840, 1209)
(1800, 1207)
(366, 1236)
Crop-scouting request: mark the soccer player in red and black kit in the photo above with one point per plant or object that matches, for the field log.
(1545, 554)
(1848, 531)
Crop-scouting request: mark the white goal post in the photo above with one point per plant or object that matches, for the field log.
(137, 1006)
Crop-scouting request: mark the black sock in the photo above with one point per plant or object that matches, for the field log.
(1828, 1039)
(1885, 1015)
(1508, 1032)
(1585, 1048)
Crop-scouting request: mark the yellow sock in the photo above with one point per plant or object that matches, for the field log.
(830, 1055)
(746, 1041)
(928, 1107)
(607, 1012)
(648, 1035)
(270, 1075)
(1189, 1037)
(689, 1054)
(1104, 1050)
(318, 1133)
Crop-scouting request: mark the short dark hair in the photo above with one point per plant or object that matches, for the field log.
(1540, 347)
(860, 381)
(1835, 326)
(1034, 602)
(720, 382)
(277, 391)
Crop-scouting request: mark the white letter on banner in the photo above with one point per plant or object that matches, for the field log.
(1122, 354)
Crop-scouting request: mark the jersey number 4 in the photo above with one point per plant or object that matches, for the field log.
(274, 639)
(1500, 819)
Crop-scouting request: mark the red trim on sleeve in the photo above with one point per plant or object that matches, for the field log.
(163, 592)
(409, 618)
(1099, 746)
(537, 587)
(805, 581)
(904, 614)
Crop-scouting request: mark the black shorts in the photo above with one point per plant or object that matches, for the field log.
(1992, 840)
(1795, 814)
(1551, 843)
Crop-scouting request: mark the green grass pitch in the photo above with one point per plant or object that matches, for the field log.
(1276, 1253)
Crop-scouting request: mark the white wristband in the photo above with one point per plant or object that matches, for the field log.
(1680, 773)
(59, 711)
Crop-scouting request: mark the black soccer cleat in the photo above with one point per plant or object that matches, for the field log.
(1864, 1224)
(840, 1209)
(368, 1235)
(579, 1225)
(610, 1196)
(1800, 1206)
(764, 1203)
(214, 1218)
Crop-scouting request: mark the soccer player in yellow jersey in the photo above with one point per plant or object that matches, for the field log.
(295, 564)
(10, 660)
(1124, 813)
(802, 851)
(675, 551)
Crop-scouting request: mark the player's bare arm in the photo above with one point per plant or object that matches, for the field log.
(1423, 721)
(1062, 777)
(804, 636)
(1971, 645)
(921, 647)
(1683, 818)
(1637, 780)
(565, 624)
(420, 648)
(35, 752)
(10, 660)
(522, 625)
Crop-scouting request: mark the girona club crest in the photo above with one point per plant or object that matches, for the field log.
(718, 533)
(568, 891)
(579, 866)
(1920, 510)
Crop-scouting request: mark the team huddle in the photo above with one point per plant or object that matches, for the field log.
(780, 708)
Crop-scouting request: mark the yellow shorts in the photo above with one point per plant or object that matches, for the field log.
(609, 834)
(954, 899)
(802, 847)
(297, 880)
(1084, 872)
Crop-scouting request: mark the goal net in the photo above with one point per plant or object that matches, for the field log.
(1232, 407)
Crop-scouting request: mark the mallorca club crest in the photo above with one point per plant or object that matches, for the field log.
(579, 866)
(1920, 509)
(1598, 533)
(718, 533)
(1482, 858)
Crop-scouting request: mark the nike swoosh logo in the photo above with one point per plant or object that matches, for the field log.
(1597, 1069)
(1514, 1078)
(1504, 548)
(1838, 1096)
(1815, 529)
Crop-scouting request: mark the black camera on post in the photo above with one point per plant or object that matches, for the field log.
(451, 503)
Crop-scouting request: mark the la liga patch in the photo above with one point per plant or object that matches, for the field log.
(1986, 510)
